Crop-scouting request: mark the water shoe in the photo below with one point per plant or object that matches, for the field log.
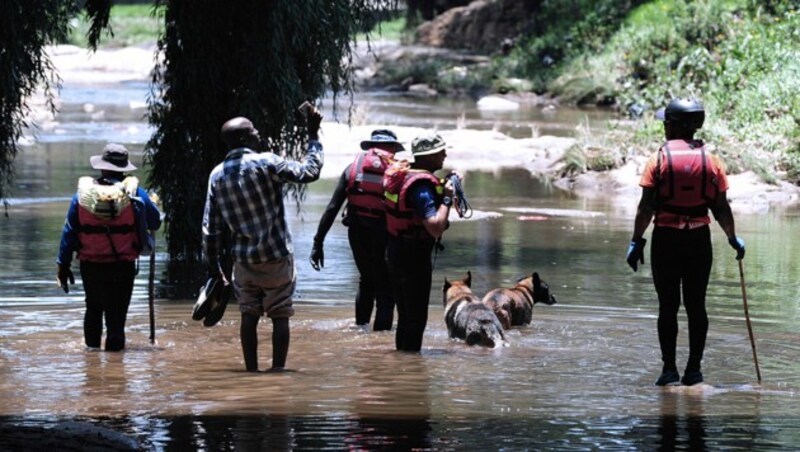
(668, 377)
(692, 377)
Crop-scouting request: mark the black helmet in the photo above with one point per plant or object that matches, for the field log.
(687, 113)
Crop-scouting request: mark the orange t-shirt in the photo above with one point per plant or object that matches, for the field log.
(650, 180)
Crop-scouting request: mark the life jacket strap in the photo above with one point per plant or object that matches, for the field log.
(366, 210)
(98, 229)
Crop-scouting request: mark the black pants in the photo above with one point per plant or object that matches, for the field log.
(369, 251)
(681, 262)
(410, 270)
(108, 288)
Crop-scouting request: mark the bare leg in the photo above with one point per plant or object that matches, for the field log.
(249, 336)
(280, 342)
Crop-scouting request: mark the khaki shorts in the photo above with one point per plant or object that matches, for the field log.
(265, 288)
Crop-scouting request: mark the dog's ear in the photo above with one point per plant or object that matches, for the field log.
(446, 285)
(468, 281)
(536, 280)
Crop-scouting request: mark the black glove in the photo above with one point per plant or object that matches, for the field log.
(317, 256)
(314, 120)
(737, 244)
(65, 277)
(636, 253)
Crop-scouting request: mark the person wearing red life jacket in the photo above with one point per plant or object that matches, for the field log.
(101, 226)
(681, 182)
(361, 185)
(417, 210)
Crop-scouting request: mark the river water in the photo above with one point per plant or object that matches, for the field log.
(580, 377)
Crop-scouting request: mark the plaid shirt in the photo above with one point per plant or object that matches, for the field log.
(245, 200)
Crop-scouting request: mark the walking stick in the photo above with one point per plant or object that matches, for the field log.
(151, 292)
(747, 319)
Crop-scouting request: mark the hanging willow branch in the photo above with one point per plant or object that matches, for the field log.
(98, 11)
(256, 58)
(26, 27)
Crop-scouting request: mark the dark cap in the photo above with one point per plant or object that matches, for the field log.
(382, 136)
(684, 112)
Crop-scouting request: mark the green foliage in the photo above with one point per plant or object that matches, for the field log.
(575, 161)
(126, 25)
(257, 59)
(26, 27)
(564, 31)
(740, 57)
(392, 30)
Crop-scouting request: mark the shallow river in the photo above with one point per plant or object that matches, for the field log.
(579, 377)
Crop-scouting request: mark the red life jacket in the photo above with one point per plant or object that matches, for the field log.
(687, 184)
(107, 230)
(401, 219)
(365, 183)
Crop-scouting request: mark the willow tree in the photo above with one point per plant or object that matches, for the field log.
(26, 27)
(217, 60)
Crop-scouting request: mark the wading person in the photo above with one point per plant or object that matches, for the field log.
(102, 226)
(361, 184)
(244, 212)
(417, 209)
(680, 183)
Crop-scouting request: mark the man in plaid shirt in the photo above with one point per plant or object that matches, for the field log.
(245, 217)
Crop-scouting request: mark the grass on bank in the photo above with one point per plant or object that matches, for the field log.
(131, 25)
(740, 57)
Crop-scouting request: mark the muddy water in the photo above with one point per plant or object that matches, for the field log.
(580, 377)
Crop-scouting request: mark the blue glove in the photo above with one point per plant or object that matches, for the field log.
(737, 244)
(636, 253)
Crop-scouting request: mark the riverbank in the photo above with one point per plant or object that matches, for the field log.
(472, 149)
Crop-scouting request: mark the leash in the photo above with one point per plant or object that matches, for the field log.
(461, 204)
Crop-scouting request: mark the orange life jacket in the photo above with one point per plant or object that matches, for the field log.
(401, 219)
(687, 184)
(107, 230)
(365, 183)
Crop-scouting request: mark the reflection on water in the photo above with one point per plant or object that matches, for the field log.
(579, 377)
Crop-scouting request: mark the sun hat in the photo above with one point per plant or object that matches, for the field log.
(427, 145)
(205, 300)
(382, 136)
(114, 158)
(220, 303)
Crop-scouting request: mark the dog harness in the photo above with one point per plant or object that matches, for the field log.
(401, 220)
(107, 230)
(365, 183)
(686, 182)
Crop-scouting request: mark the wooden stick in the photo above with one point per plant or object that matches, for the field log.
(151, 292)
(747, 319)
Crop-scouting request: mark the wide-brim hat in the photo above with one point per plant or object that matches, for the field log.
(428, 144)
(113, 158)
(205, 300)
(219, 305)
(382, 136)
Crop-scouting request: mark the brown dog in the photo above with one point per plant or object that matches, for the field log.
(514, 306)
(469, 319)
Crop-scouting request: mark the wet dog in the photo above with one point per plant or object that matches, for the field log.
(514, 306)
(469, 319)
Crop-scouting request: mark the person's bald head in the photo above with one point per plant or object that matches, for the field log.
(239, 132)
